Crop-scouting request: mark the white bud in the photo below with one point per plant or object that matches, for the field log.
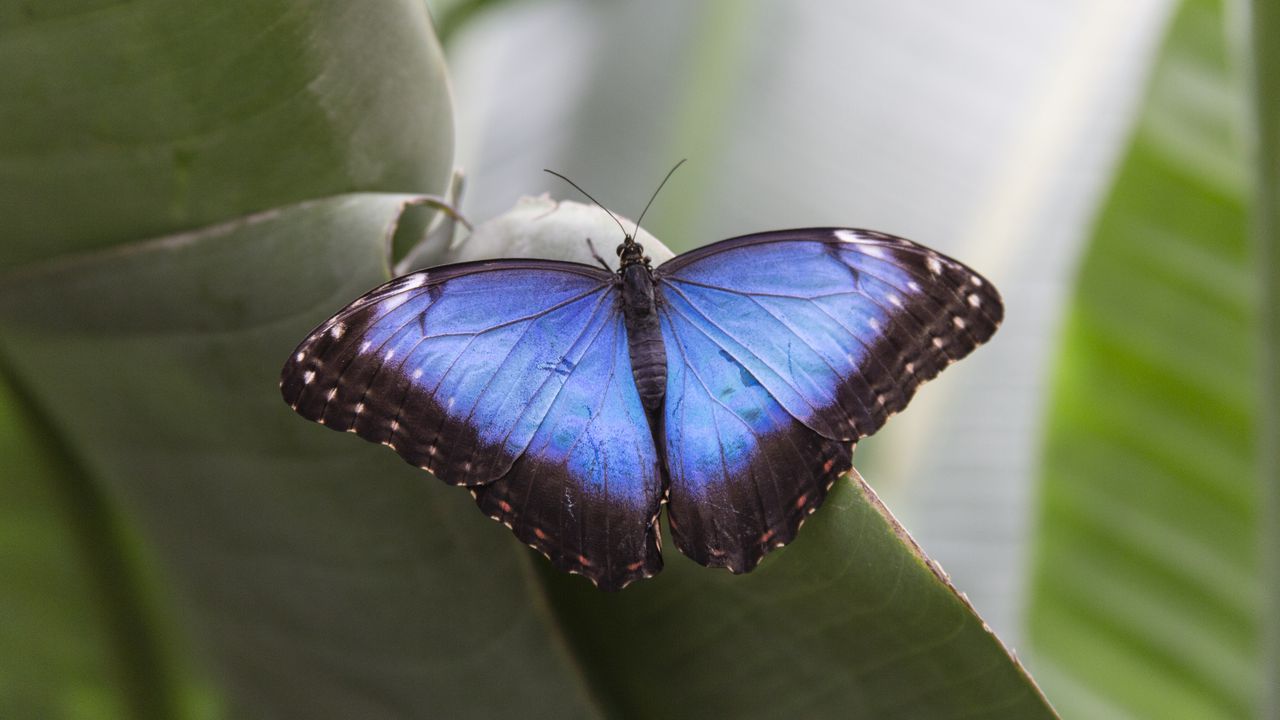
(539, 227)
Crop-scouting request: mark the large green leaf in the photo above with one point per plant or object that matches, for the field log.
(327, 578)
(1146, 598)
(121, 121)
(852, 620)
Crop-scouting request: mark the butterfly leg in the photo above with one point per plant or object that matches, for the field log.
(595, 254)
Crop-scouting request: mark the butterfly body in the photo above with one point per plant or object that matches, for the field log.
(644, 333)
(729, 382)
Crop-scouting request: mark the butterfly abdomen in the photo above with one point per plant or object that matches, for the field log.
(644, 337)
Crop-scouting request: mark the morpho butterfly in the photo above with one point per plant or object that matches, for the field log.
(729, 382)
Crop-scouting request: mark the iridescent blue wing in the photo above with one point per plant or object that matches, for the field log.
(511, 377)
(783, 349)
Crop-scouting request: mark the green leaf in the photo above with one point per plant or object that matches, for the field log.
(86, 633)
(1146, 598)
(121, 121)
(50, 599)
(851, 620)
(326, 577)
(1266, 227)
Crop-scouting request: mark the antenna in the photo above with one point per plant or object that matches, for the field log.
(670, 172)
(597, 202)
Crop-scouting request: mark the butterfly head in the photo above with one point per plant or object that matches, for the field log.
(631, 252)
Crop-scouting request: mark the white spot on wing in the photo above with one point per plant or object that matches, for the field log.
(364, 346)
(848, 236)
(959, 322)
(874, 323)
(935, 265)
(308, 376)
(417, 373)
(393, 302)
(300, 357)
(413, 281)
(333, 392)
(974, 300)
(915, 286)
(895, 300)
(337, 330)
(977, 281)
(390, 354)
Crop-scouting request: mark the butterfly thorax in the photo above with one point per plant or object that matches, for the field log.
(644, 334)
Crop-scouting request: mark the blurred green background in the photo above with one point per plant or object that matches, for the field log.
(189, 188)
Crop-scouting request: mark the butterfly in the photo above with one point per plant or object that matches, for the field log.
(729, 383)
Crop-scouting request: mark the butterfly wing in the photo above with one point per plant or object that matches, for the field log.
(783, 349)
(511, 377)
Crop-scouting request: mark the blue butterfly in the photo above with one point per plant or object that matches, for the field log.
(573, 401)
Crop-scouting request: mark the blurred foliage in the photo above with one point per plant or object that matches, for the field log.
(450, 15)
(1265, 56)
(60, 658)
(1147, 596)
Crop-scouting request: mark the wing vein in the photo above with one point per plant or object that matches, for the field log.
(783, 376)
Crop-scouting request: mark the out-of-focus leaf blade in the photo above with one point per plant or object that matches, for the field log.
(326, 577)
(1146, 589)
(60, 660)
(1266, 217)
(87, 632)
(130, 120)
